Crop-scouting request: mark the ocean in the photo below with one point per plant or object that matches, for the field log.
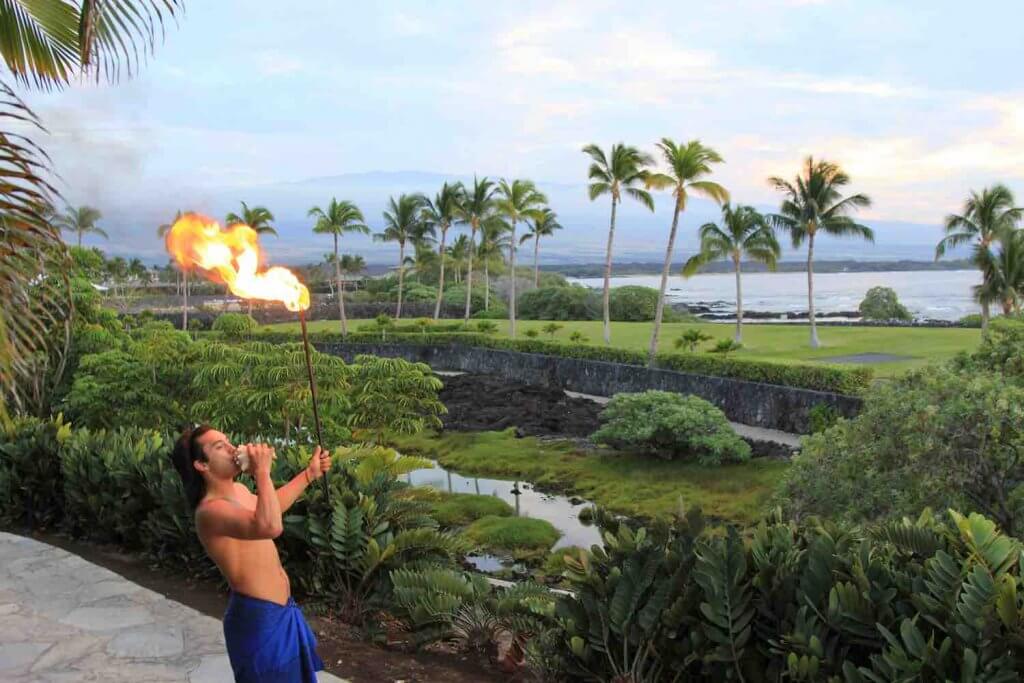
(940, 295)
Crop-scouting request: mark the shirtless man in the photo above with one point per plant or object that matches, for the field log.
(267, 637)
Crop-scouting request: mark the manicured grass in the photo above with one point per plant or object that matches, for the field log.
(522, 537)
(460, 509)
(780, 343)
(629, 484)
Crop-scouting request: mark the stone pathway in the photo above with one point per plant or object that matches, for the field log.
(64, 619)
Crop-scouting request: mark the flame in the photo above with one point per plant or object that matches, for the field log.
(232, 256)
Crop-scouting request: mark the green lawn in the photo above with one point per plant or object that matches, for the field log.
(782, 343)
(628, 484)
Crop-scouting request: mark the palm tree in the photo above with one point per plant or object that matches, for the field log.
(351, 265)
(688, 165)
(162, 231)
(743, 232)
(336, 220)
(402, 224)
(81, 220)
(985, 217)
(259, 218)
(441, 212)
(517, 201)
(457, 254)
(48, 45)
(1002, 272)
(544, 225)
(476, 205)
(494, 240)
(621, 171)
(813, 202)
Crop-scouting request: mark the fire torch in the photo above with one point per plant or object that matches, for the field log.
(232, 257)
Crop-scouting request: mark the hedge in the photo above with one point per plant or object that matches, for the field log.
(840, 380)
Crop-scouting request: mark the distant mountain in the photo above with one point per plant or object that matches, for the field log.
(640, 234)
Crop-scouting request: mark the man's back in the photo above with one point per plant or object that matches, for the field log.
(251, 567)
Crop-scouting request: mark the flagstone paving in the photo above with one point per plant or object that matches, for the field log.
(64, 619)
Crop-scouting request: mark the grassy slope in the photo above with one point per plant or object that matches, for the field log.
(627, 484)
(781, 343)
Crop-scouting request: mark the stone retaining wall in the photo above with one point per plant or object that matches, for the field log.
(751, 403)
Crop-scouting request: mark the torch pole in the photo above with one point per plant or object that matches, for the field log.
(312, 391)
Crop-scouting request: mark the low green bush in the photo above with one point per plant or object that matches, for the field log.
(235, 325)
(460, 509)
(31, 480)
(935, 437)
(560, 303)
(881, 303)
(523, 537)
(670, 426)
(632, 303)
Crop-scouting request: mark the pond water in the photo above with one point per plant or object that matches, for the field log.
(528, 502)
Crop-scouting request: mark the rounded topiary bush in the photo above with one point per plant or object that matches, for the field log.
(670, 426)
(235, 325)
(881, 303)
(560, 303)
(632, 303)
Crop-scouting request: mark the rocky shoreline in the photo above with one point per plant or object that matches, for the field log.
(711, 311)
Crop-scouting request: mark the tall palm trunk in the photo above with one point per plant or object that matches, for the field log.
(487, 285)
(608, 276)
(440, 283)
(401, 278)
(79, 239)
(739, 300)
(184, 304)
(512, 290)
(810, 290)
(666, 267)
(536, 265)
(469, 269)
(985, 315)
(338, 288)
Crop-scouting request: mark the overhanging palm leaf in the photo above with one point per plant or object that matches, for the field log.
(46, 43)
(33, 264)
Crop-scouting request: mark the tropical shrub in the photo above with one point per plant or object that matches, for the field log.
(119, 387)
(455, 296)
(632, 303)
(393, 395)
(670, 426)
(31, 484)
(691, 339)
(726, 346)
(881, 303)
(933, 437)
(235, 325)
(915, 600)
(262, 389)
(560, 303)
(415, 292)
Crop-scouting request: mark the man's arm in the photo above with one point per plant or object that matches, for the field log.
(227, 518)
(290, 492)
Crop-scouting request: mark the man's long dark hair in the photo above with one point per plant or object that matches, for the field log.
(187, 451)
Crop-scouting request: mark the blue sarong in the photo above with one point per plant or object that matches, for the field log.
(268, 642)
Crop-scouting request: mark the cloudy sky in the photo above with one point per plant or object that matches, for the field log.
(920, 100)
